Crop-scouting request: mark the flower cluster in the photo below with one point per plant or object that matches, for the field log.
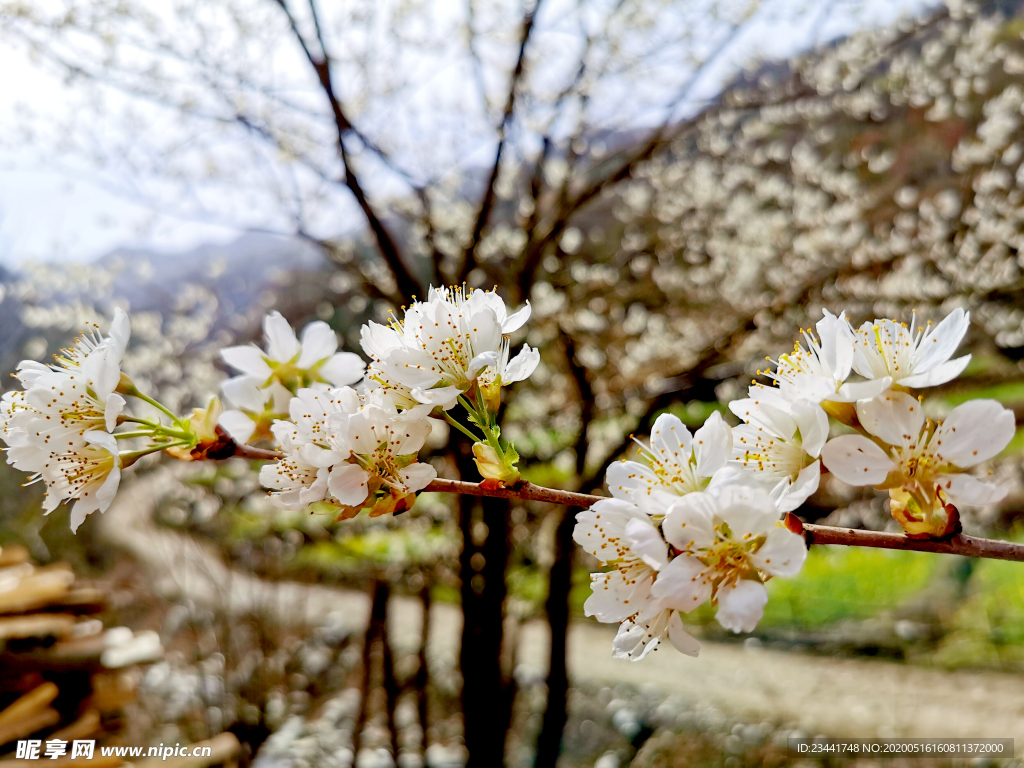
(269, 378)
(356, 447)
(684, 527)
(698, 519)
(347, 450)
(454, 348)
(64, 427)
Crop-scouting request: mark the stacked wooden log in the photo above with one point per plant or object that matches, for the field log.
(63, 675)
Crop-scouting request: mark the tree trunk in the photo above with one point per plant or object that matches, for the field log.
(549, 743)
(486, 694)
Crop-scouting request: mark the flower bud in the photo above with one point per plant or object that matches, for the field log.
(922, 518)
(492, 465)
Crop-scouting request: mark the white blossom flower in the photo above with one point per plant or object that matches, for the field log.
(505, 372)
(780, 445)
(726, 541)
(442, 343)
(677, 463)
(91, 474)
(886, 349)
(621, 535)
(347, 450)
(296, 483)
(383, 453)
(268, 378)
(643, 633)
(923, 469)
(820, 372)
(52, 428)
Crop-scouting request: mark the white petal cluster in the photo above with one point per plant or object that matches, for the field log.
(443, 345)
(819, 373)
(355, 449)
(779, 444)
(697, 519)
(675, 463)
(59, 427)
(923, 463)
(886, 349)
(348, 451)
(268, 377)
(685, 526)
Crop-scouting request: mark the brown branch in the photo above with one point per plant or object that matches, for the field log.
(259, 454)
(526, 491)
(961, 544)
(408, 286)
(490, 191)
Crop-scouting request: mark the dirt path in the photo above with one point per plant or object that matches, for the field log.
(843, 697)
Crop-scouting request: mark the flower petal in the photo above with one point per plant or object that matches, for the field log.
(799, 490)
(618, 594)
(442, 396)
(741, 605)
(601, 529)
(238, 426)
(812, 422)
(782, 554)
(670, 437)
(347, 483)
(747, 510)
(861, 390)
(521, 366)
(967, 490)
(479, 362)
(282, 345)
(244, 392)
(417, 476)
(940, 342)
(342, 369)
(646, 543)
(119, 332)
(517, 319)
(856, 460)
(690, 522)
(683, 641)
(896, 417)
(319, 341)
(248, 359)
(114, 407)
(974, 432)
(836, 337)
(940, 374)
(683, 584)
(712, 445)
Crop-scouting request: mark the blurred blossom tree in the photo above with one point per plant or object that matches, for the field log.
(569, 154)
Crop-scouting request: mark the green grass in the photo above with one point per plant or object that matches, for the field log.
(988, 628)
(1004, 392)
(839, 583)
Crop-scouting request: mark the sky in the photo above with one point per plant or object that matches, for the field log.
(63, 209)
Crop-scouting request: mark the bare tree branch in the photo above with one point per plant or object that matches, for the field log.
(961, 544)
(408, 286)
(487, 202)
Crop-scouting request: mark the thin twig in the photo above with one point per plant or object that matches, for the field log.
(961, 544)
(260, 454)
(490, 188)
